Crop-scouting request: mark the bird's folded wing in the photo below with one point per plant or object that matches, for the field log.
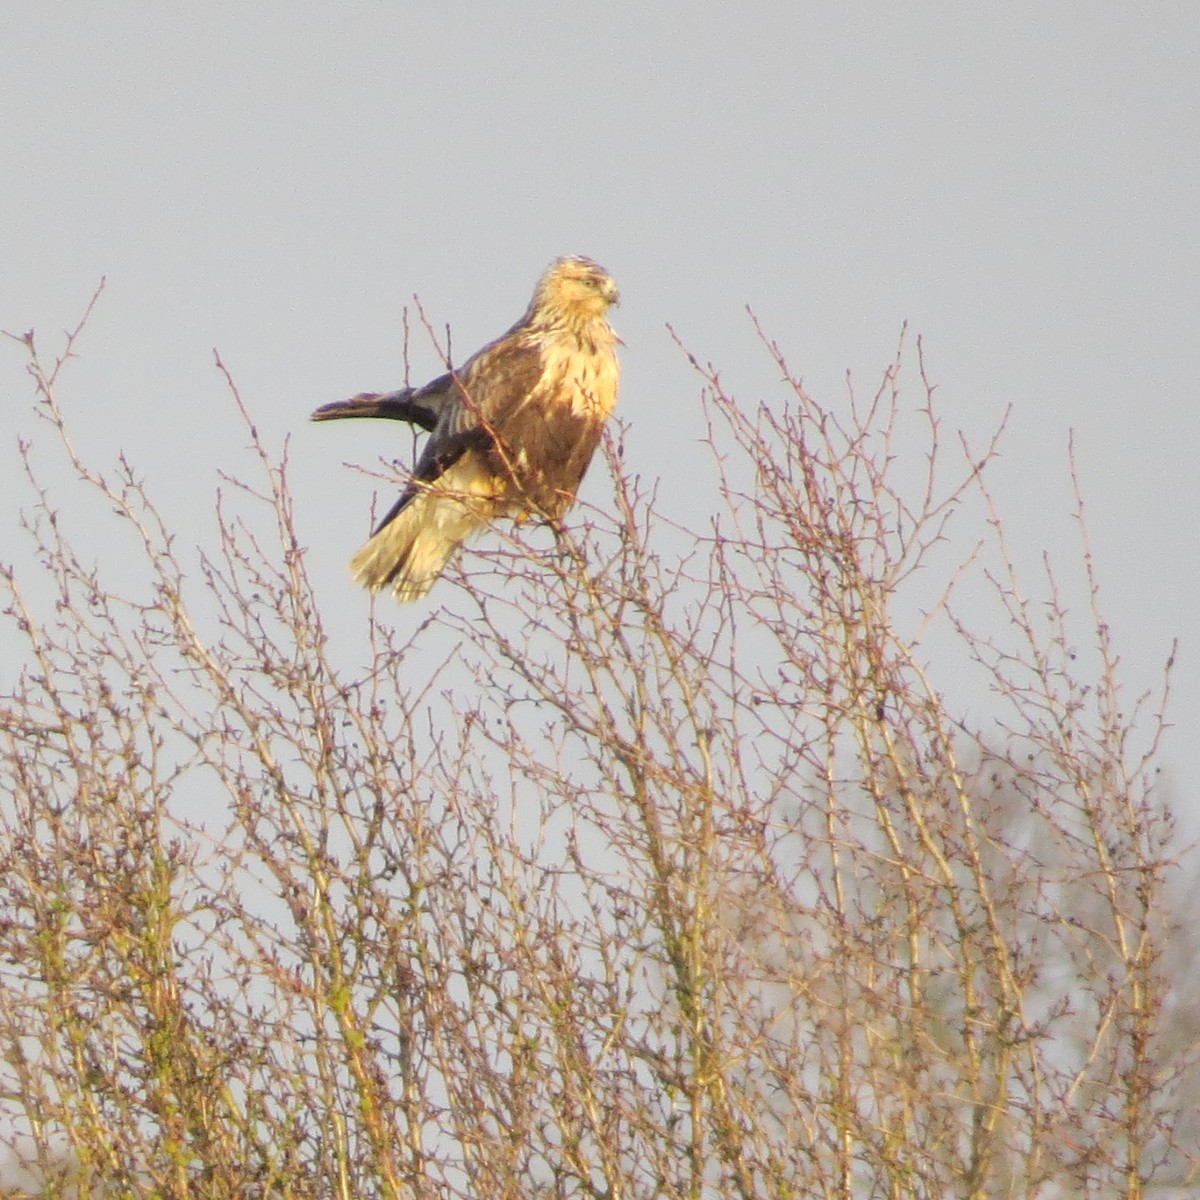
(441, 453)
(423, 406)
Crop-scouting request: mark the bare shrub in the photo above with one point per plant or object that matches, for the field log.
(658, 862)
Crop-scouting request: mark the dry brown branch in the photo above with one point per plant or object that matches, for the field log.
(659, 861)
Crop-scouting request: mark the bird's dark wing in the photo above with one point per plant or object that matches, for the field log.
(423, 406)
(440, 454)
(461, 411)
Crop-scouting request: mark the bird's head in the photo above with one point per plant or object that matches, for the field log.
(574, 290)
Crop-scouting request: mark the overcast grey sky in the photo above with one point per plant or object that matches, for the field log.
(1021, 184)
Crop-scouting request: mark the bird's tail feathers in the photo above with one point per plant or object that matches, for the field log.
(411, 550)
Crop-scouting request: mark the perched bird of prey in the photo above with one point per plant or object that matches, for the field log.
(511, 431)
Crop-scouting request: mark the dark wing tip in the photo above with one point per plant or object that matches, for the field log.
(392, 406)
(365, 404)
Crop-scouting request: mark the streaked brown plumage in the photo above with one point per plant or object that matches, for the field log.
(511, 431)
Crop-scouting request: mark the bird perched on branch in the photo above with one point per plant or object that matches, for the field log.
(511, 431)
